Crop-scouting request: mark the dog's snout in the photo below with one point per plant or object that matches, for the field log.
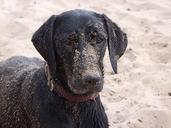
(92, 79)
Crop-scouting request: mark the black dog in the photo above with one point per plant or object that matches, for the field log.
(64, 93)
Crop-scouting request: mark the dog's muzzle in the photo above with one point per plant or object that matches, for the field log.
(54, 86)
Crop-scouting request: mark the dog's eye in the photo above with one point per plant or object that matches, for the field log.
(93, 36)
(100, 40)
(71, 40)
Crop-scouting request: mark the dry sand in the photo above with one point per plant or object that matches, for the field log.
(138, 96)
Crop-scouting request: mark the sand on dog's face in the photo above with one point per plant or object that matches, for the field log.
(137, 97)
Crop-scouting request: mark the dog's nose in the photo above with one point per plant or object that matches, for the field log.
(92, 79)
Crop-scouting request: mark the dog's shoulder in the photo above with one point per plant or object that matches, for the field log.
(20, 61)
(15, 69)
(18, 78)
(16, 72)
(17, 65)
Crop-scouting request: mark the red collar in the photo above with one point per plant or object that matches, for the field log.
(65, 94)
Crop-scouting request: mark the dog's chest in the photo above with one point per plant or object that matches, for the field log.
(56, 112)
(74, 111)
(71, 116)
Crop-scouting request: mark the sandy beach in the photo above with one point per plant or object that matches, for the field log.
(139, 96)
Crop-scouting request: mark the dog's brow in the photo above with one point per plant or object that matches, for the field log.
(93, 23)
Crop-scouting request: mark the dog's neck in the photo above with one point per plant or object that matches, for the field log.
(54, 86)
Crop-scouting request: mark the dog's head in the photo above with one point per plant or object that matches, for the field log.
(73, 44)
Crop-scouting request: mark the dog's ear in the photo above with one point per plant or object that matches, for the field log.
(43, 42)
(117, 42)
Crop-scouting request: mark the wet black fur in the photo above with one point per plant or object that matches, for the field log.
(25, 99)
(27, 102)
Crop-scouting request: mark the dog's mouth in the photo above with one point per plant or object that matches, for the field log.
(85, 89)
(71, 96)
